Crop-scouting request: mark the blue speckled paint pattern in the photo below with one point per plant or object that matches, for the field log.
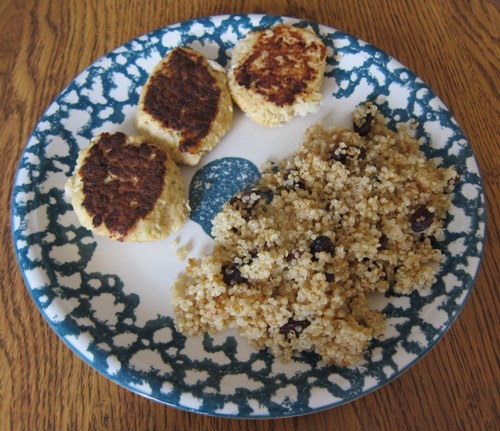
(216, 378)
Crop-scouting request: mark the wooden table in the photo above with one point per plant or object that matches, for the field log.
(453, 45)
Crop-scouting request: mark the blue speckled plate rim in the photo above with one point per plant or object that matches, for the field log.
(440, 333)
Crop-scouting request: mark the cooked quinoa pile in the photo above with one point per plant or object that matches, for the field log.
(296, 258)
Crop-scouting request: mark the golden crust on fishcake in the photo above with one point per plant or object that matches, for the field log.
(127, 190)
(275, 75)
(185, 105)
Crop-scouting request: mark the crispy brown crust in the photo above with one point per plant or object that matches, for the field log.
(183, 96)
(121, 183)
(278, 67)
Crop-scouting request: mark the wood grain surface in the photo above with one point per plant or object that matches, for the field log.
(453, 45)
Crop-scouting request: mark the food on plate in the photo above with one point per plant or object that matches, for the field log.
(297, 257)
(185, 105)
(126, 189)
(276, 74)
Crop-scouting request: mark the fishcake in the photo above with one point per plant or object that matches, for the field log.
(275, 75)
(185, 105)
(127, 190)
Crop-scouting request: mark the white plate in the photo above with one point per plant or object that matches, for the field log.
(110, 302)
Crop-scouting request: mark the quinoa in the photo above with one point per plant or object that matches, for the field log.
(295, 259)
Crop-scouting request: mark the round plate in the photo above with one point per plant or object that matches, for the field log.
(110, 302)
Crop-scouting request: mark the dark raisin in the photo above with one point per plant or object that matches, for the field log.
(384, 242)
(266, 196)
(322, 243)
(231, 274)
(300, 185)
(363, 322)
(295, 254)
(330, 277)
(294, 327)
(338, 154)
(421, 219)
(365, 127)
(362, 153)
(297, 183)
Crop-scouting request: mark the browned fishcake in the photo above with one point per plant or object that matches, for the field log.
(185, 105)
(121, 183)
(276, 74)
(279, 65)
(127, 189)
(183, 96)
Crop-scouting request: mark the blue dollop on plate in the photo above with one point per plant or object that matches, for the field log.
(217, 182)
